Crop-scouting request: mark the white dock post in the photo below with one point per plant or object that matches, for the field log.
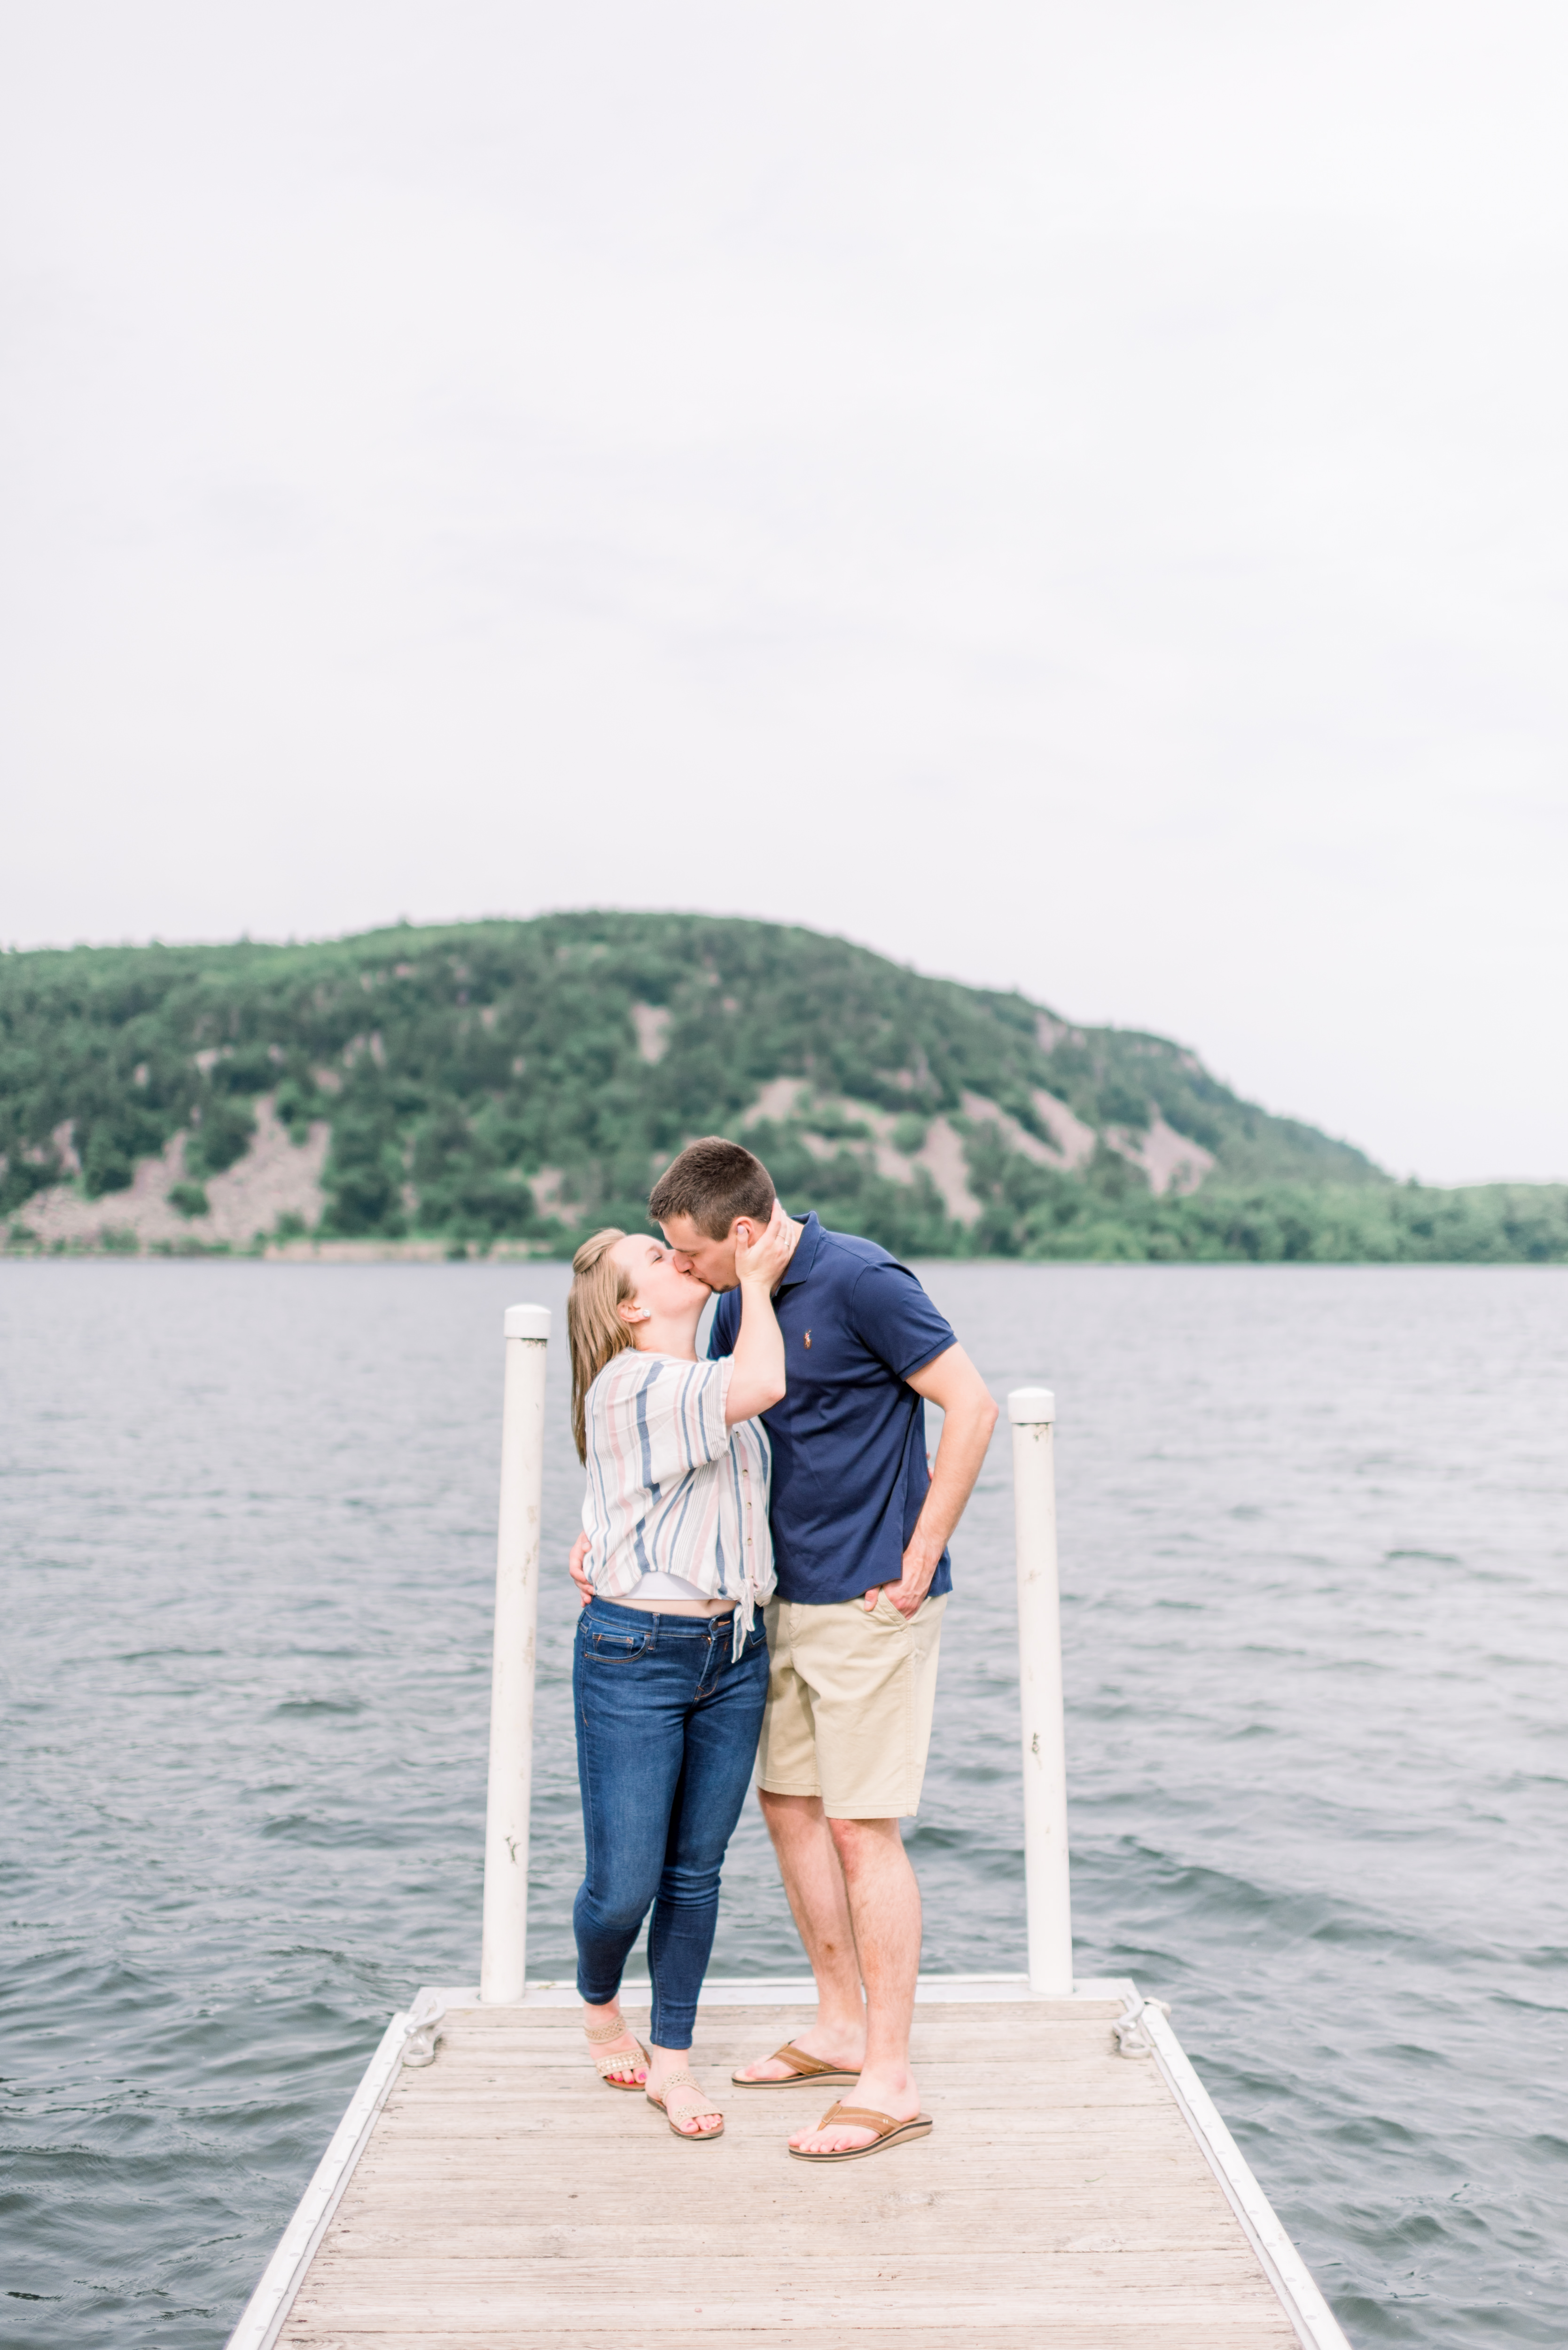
(1032, 1411)
(503, 1953)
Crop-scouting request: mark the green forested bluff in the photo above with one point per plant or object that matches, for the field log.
(522, 1082)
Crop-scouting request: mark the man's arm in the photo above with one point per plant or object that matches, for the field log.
(951, 1382)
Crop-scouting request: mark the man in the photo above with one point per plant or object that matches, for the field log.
(860, 1532)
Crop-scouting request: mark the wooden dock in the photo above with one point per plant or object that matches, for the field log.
(1068, 2196)
(1078, 2191)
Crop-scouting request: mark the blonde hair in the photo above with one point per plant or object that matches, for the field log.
(594, 1331)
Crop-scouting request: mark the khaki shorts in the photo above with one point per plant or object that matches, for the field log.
(849, 1704)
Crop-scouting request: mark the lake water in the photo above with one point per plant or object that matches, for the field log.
(1314, 1550)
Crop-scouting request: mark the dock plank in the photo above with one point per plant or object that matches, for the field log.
(506, 2198)
(1222, 2332)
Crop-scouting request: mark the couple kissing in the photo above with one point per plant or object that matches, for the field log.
(763, 1570)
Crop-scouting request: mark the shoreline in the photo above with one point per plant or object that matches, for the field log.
(289, 1252)
(476, 1253)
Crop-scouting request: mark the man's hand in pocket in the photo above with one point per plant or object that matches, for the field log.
(909, 1593)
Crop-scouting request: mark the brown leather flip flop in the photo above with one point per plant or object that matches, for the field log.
(806, 2068)
(889, 2132)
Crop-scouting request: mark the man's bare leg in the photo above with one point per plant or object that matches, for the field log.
(885, 1910)
(813, 1879)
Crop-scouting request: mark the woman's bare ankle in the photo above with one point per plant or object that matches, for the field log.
(669, 2060)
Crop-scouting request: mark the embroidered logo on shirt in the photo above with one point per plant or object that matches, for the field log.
(808, 1337)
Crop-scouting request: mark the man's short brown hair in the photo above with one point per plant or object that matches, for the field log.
(713, 1182)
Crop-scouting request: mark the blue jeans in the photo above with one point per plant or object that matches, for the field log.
(667, 1732)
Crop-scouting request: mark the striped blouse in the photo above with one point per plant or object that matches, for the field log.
(672, 1490)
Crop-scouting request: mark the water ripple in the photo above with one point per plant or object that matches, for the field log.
(1315, 1610)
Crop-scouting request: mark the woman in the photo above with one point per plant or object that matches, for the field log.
(670, 1669)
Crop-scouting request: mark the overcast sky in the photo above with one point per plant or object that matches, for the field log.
(1071, 496)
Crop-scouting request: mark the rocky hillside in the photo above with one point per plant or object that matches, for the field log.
(522, 1082)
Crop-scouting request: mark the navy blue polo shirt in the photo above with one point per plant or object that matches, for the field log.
(850, 1437)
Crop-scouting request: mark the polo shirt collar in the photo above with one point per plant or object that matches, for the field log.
(799, 1266)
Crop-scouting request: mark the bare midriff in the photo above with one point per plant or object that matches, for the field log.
(660, 1606)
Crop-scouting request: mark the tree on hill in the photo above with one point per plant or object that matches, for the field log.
(525, 1080)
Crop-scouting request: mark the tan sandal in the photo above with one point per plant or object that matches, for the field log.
(686, 2109)
(889, 2132)
(607, 2067)
(804, 2068)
